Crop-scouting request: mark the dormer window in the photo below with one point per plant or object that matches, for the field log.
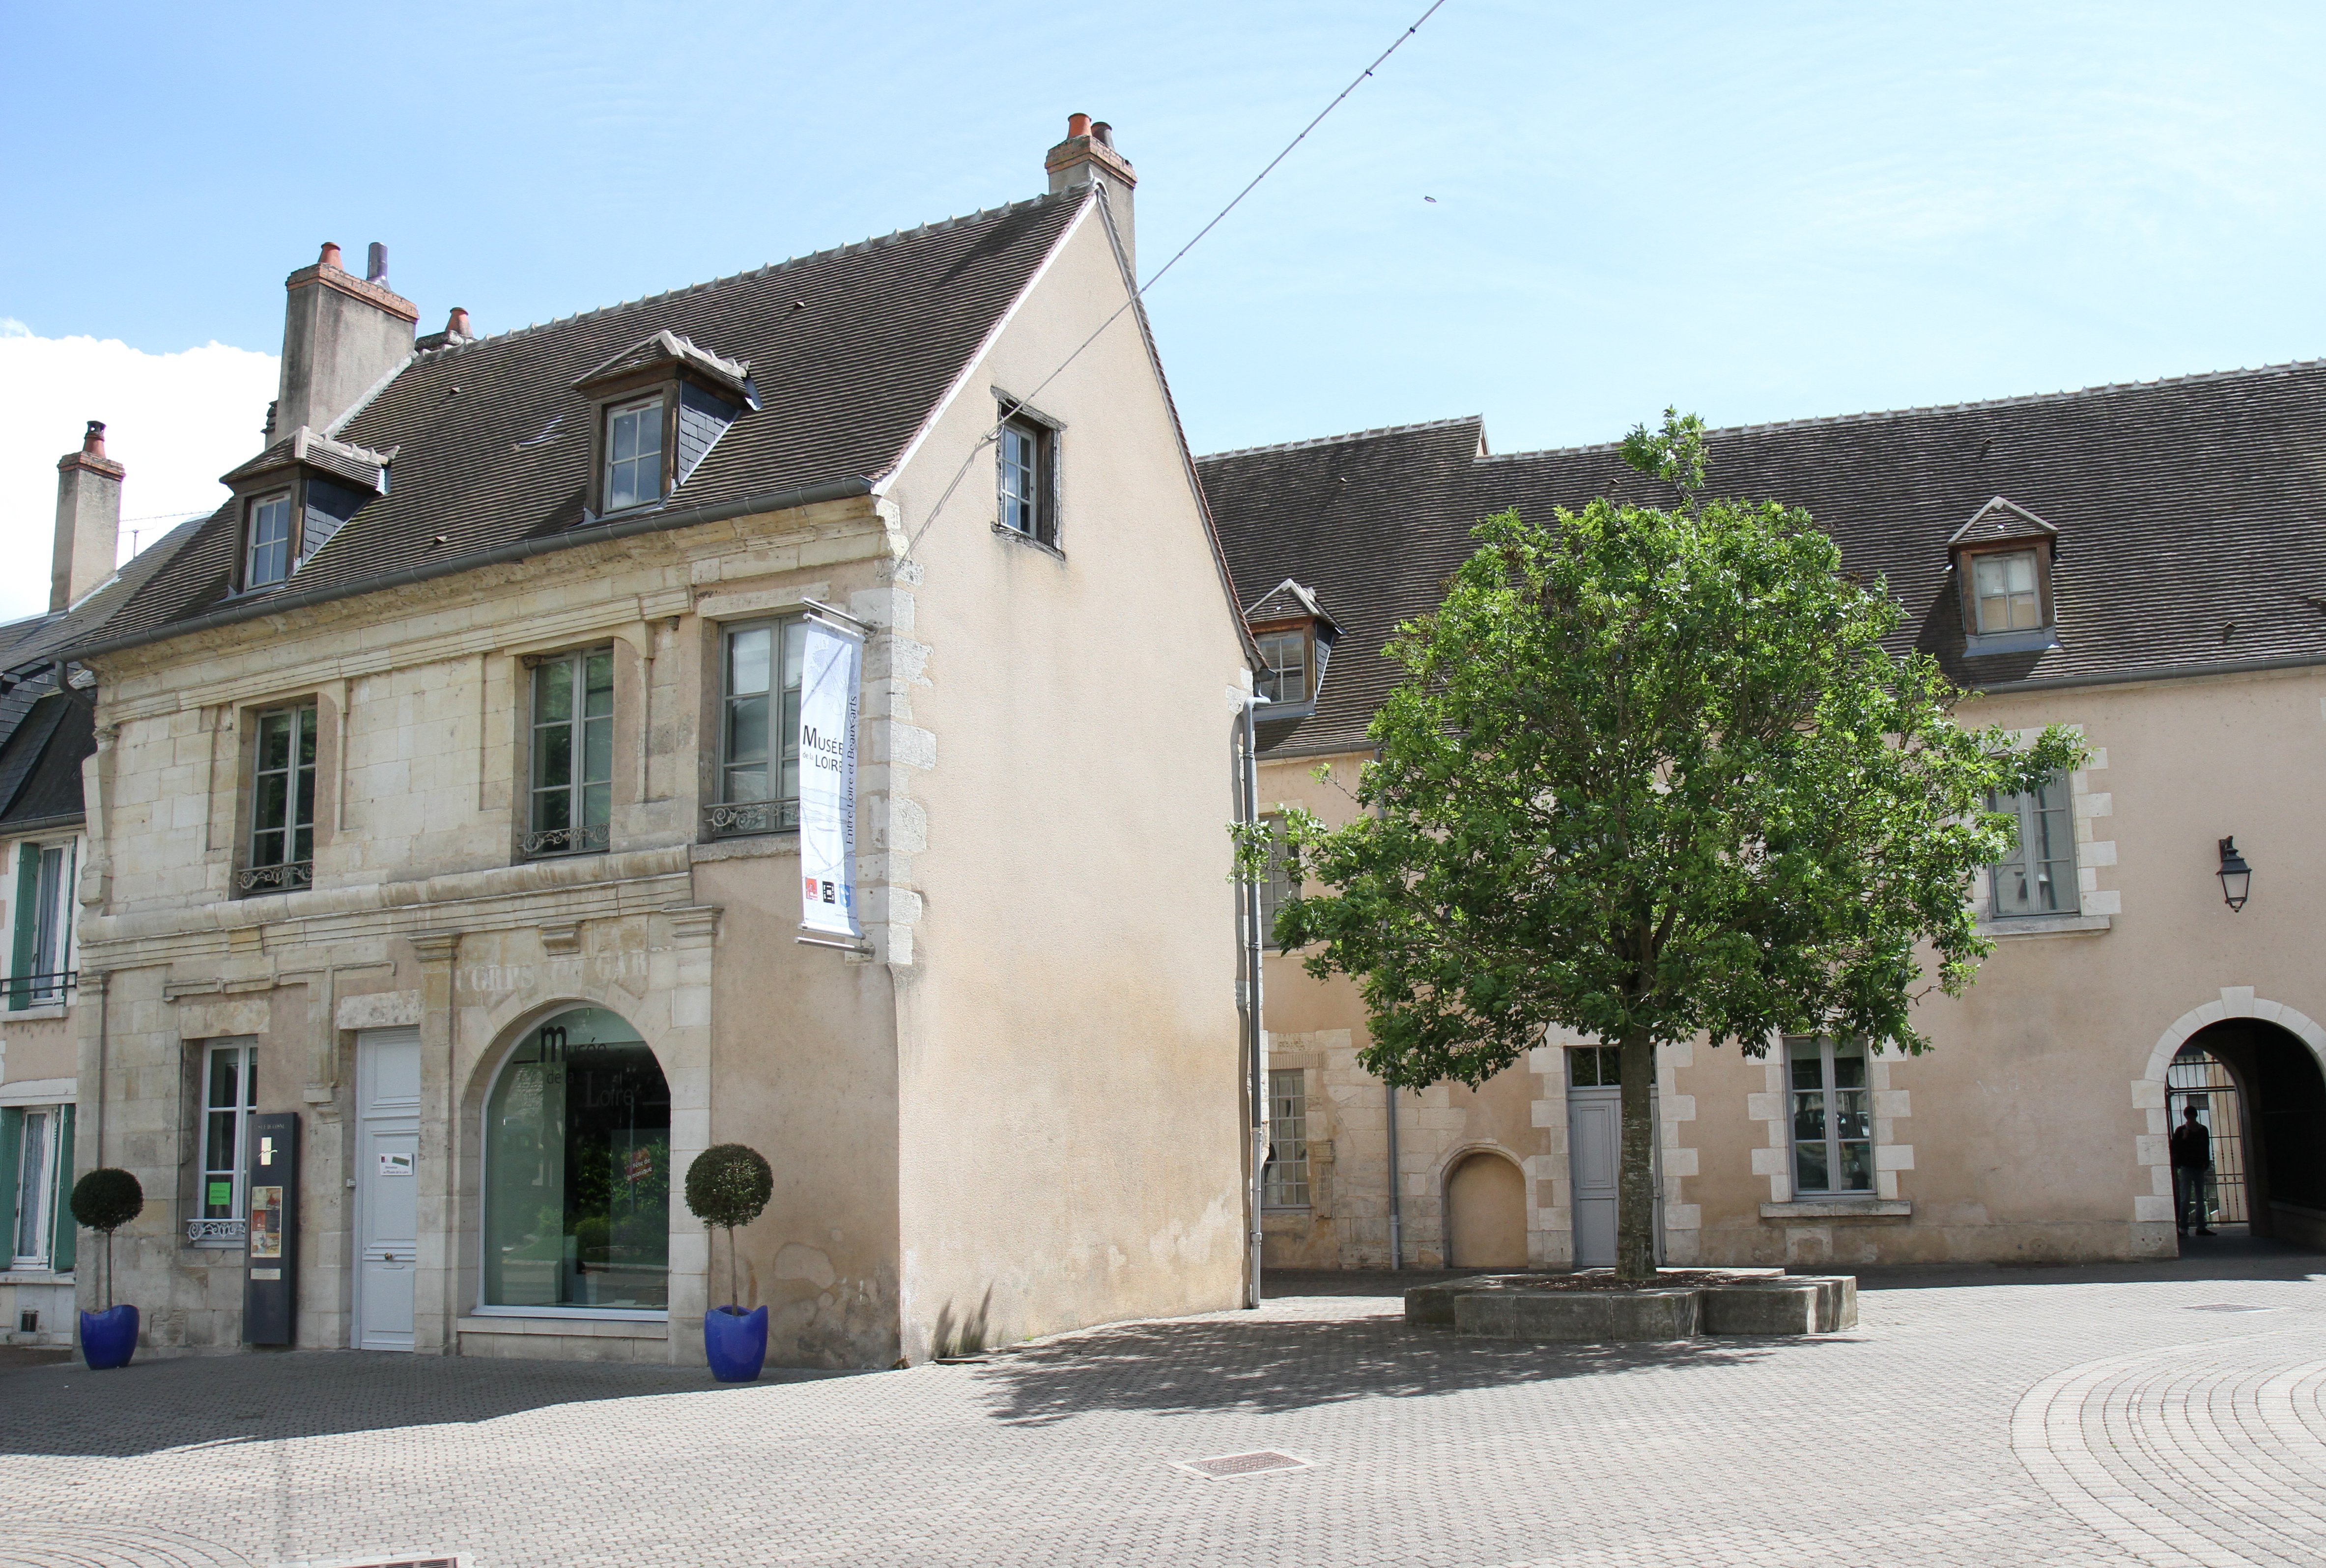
(2002, 564)
(634, 454)
(660, 405)
(1294, 638)
(297, 495)
(267, 556)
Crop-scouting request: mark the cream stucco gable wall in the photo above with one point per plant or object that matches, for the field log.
(1068, 1057)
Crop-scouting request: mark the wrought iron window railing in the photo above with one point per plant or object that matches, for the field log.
(40, 990)
(564, 841)
(282, 878)
(734, 819)
(200, 1231)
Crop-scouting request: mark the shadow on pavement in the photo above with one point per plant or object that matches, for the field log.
(2231, 1256)
(1274, 1364)
(150, 1405)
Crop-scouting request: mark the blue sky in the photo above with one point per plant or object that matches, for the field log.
(1753, 212)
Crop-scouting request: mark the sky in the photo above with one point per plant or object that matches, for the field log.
(1564, 216)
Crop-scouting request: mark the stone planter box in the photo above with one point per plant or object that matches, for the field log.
(1741, 1301)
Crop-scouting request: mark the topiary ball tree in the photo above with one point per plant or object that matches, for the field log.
(729, 1185)
(103, 1201)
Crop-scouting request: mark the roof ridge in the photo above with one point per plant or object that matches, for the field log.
(1355, 435)
(854, 245)
(2017, 400)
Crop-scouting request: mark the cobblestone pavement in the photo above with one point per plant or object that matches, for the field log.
(1994, 1417)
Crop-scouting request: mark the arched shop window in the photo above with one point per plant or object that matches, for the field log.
(577, 1170)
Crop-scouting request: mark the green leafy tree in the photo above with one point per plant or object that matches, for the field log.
(1649, 775)
(728, 1185)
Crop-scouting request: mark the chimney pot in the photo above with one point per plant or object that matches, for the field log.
(1078, 125)
(457, 324)
(1103, 132)
(92, 443)
(330, 257)
(375, 265)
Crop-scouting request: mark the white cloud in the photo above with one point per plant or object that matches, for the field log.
(176, 421)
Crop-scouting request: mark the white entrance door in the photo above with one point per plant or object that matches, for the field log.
(1594, 1147)
(387, 1186)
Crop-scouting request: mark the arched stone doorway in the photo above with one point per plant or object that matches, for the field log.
(577, 1170)
(2260, 1089)
(1486, 1213)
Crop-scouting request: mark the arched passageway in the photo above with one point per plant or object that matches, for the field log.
(2259, 1092)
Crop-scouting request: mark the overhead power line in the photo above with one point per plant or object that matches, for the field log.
(1139, 292)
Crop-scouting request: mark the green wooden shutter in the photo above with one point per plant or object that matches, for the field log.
(64, 1231)
(28, 925)
(12, 1149)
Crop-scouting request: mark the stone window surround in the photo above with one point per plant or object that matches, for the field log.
(2096, 906)
(1773, 1159)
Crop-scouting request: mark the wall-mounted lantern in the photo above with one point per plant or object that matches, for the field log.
(2236, 877)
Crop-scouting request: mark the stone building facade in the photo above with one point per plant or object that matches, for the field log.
(444, 801)
(2170, 611)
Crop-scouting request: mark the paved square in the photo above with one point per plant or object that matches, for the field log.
(1978, 1417)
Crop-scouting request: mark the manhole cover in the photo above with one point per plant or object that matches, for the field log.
(1228, 1466)
(2229, 1306)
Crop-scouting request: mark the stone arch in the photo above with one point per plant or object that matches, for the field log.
(2153, 1208)
(629, 1122)
(1498, 1202)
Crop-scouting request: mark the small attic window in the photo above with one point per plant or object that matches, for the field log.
(2003, 561)
(1283, 673)
(633, 454)
(266, 552)
(2004, 591)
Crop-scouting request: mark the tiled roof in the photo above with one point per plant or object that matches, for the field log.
(849, 350)
(2190, 517)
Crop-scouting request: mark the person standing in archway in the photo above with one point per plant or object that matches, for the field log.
(2192, 1163)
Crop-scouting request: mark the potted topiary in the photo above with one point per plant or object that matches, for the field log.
(105, 1199)
(729, 1185)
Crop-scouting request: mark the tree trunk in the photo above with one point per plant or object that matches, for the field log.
(1635, 1181)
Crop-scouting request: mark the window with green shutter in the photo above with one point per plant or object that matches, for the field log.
(28, 926)
(64, 1231)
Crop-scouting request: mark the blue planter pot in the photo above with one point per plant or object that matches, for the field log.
(110, 1338)
(736, 1341)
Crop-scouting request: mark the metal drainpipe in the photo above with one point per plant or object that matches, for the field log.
(1252, 958)
(1396, 1204)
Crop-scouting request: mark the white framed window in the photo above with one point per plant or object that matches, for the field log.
(282, 852)
(43, 958)
(2005, 589)
(758, 728)
(633, 476)
(1027, 465)
(1283, 675)
(573, 793)
(1833, 1115)
(35, 1141)
(1285, 1184)
(266, 552)
(1595, 1066)
(229, 1096)
(2038, 876)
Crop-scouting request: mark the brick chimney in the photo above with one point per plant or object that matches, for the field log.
(1088, 154)
(341, 334)
(89, 519)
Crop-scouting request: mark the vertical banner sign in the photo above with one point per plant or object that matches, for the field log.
(829, 675)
